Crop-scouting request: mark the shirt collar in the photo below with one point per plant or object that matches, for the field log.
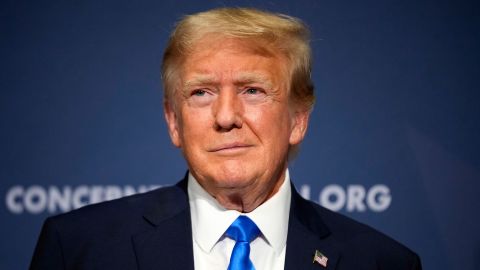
(210, 220)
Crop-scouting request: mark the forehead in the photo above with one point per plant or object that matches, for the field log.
(246, 59)
(215, 41)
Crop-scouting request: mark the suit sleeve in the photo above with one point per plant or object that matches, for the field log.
(48, 251)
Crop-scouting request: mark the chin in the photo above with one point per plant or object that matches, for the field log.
(233, 183)
(228, 173)
(233, 179)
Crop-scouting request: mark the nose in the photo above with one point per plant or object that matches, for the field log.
(228, 110)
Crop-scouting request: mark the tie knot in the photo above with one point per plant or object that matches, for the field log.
(243, 229)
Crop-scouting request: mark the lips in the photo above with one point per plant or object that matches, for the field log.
(230, 147)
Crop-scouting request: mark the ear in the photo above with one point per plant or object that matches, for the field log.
(299, 127)
(172, 123)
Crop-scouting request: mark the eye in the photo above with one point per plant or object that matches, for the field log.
(252, 91)
(200, 97)
(199, 93)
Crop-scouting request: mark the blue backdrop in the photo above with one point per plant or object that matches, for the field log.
(393, 139)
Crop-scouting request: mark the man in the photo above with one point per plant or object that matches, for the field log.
(238, 96)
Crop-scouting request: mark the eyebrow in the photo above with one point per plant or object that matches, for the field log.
(200, 79)
(241, 79)
(252, 77)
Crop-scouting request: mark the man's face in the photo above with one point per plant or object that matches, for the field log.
(232, 118)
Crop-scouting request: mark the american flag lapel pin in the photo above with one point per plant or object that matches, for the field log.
(320, 258)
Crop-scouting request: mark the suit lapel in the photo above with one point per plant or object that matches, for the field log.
(307, 233)
(168, 243)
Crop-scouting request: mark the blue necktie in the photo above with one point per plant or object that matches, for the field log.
(243, 230)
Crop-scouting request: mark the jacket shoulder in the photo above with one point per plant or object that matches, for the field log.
(359, 242)
(101, 233)
(167, 200)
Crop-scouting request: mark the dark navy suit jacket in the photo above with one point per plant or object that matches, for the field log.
(153, 231)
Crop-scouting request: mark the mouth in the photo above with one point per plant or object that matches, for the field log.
(230, 148)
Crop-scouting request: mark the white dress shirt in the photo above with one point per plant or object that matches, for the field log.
(210, 220)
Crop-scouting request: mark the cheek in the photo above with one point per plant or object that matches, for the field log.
(267, 113)
(194, 125)
(272, 124)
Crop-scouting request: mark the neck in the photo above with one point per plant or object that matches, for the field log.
(246, 199)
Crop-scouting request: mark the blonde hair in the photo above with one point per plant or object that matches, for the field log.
(288, 35)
